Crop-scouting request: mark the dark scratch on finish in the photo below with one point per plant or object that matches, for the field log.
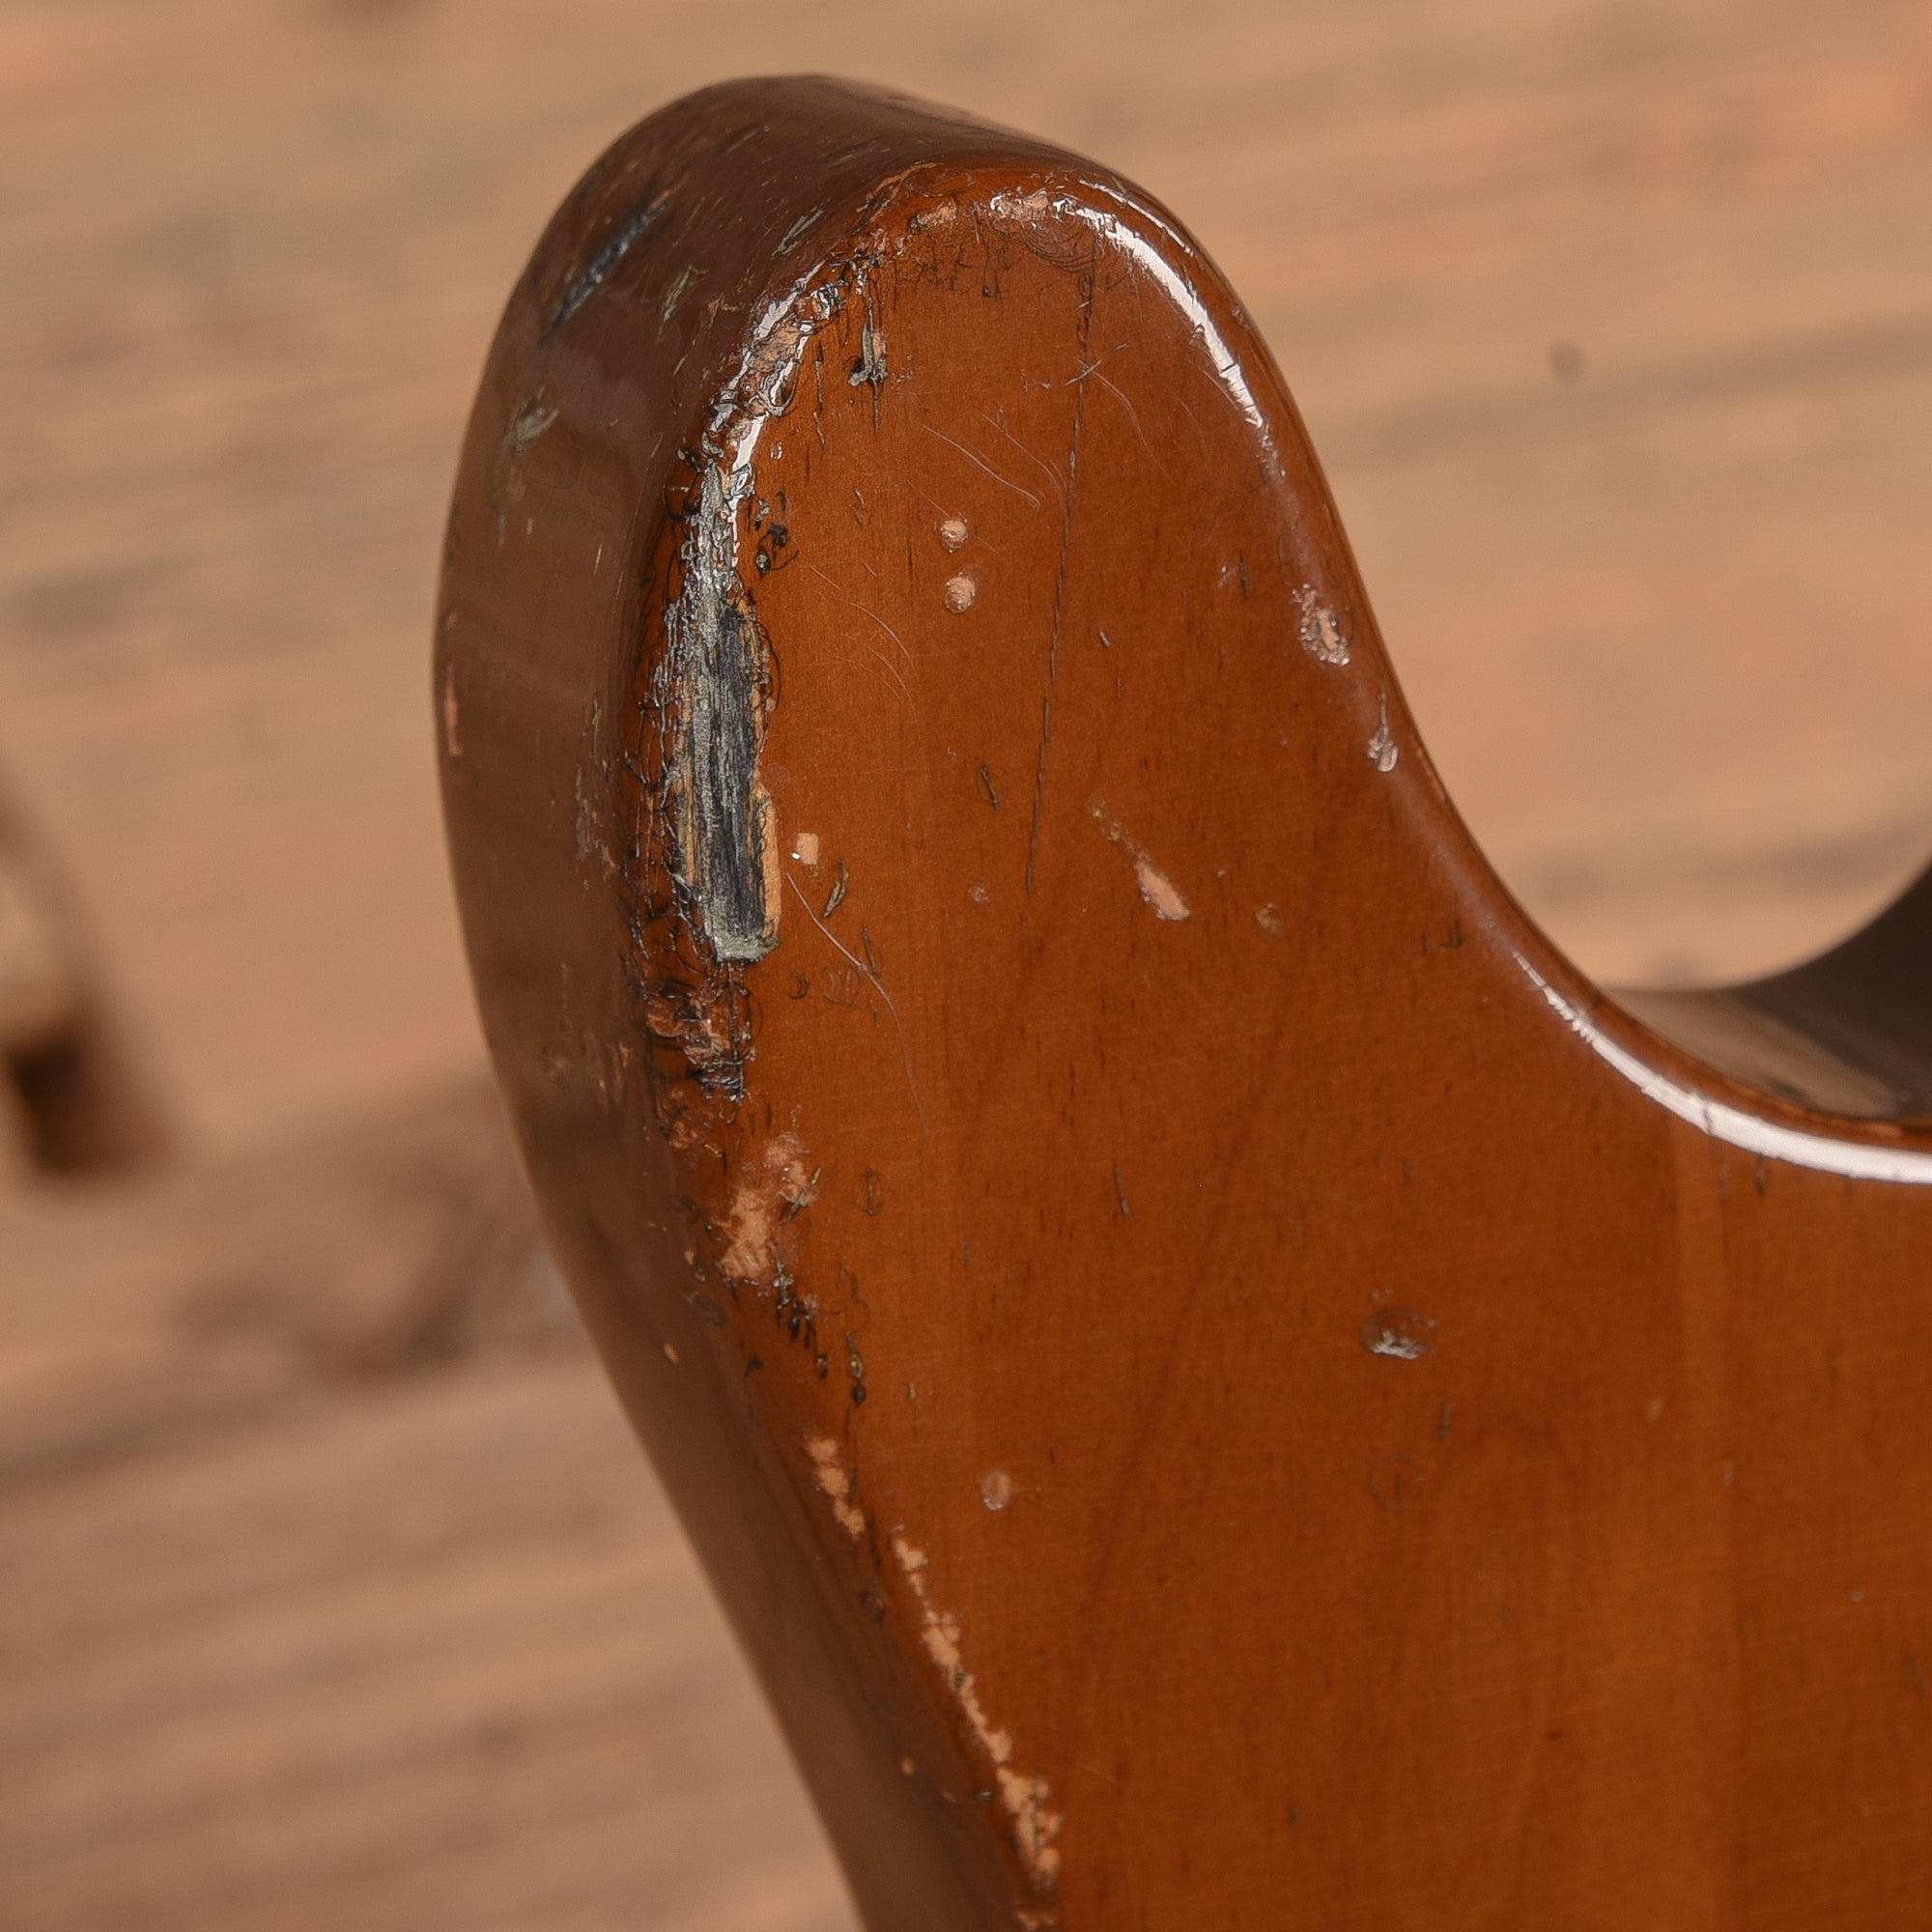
(607, 258)
(1038, 784)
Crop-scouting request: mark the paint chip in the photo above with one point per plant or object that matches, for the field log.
(996, 1490)
(960, 593)
(836, 1481)
(768, 1193)
(805, 849)
(1268, 919)
(1383, 752)
(1321, 634)
(1157, 887)
(871, 367)
(1400, 1334)
(1034, 1825)
(953, 533)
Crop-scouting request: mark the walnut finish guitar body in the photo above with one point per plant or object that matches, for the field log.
(1221, 1383)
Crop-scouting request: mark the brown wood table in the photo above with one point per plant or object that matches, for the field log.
(342, 1596)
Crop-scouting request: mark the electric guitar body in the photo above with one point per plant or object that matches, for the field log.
(1220, 1383)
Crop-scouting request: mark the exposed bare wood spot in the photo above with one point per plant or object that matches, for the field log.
(1157, 887)
(835, 1478)
(805, 849)
(1035, 1827)
(1321, 634)
(769, 1192)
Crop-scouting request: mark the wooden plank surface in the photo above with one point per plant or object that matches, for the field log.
(336, 1592)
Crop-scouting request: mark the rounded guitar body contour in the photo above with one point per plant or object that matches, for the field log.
(1220, 1383)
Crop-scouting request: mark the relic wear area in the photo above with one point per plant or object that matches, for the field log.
(1013, 1012)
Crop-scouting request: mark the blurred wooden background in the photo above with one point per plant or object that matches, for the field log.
(334, 1593)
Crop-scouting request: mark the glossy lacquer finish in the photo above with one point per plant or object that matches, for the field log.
(1220, 1383)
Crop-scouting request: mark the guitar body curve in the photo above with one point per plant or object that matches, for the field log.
(1219, 1380)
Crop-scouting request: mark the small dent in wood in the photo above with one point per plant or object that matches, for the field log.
(1398, 1334)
